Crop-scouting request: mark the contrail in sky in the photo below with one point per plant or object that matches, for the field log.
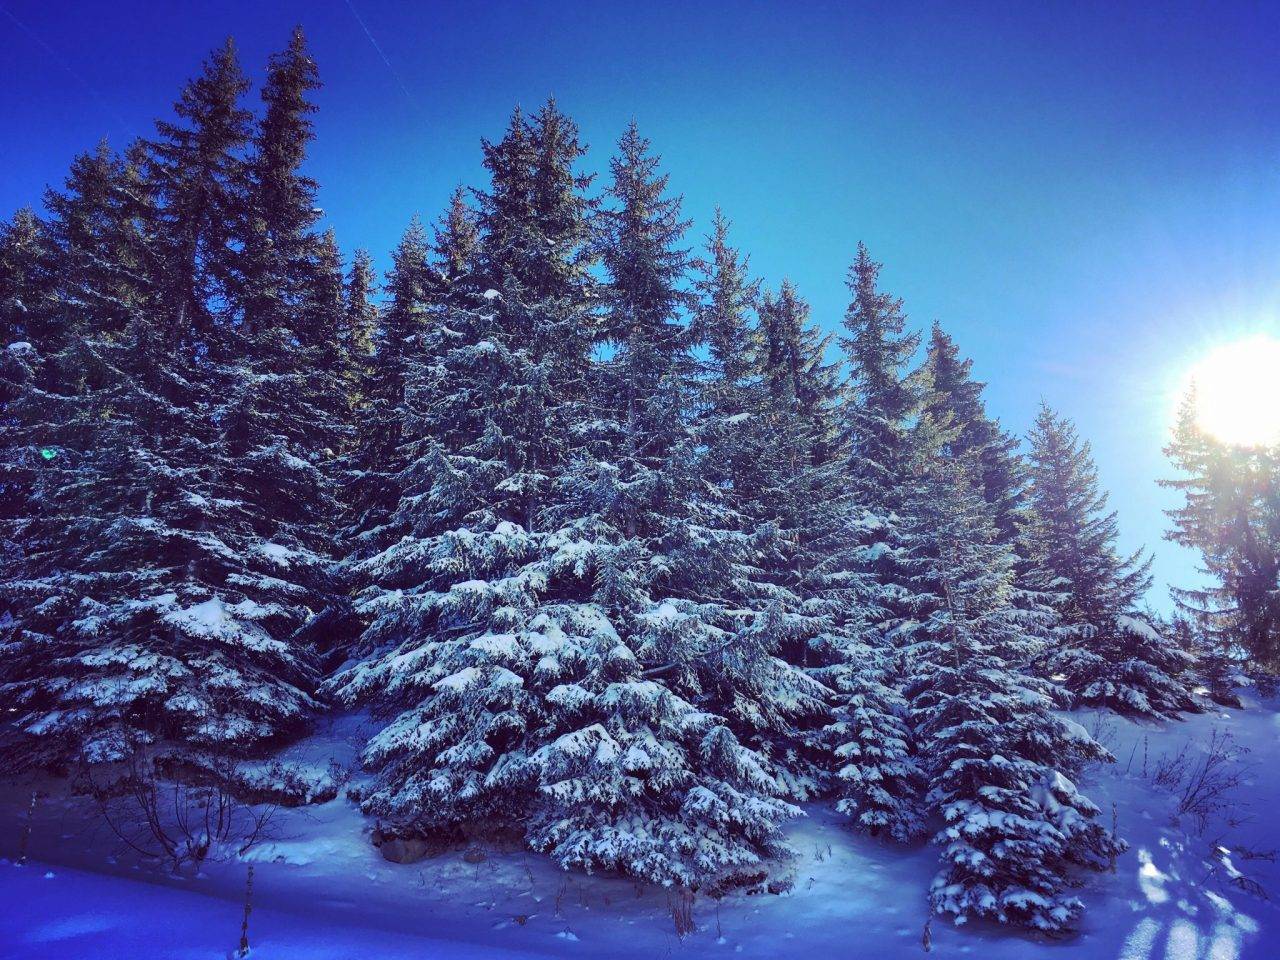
(53, 54)
(368, 33)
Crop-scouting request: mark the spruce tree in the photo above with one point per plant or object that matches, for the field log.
(374, 487)
(1229, 515)
(885, 396)
(284, 419)
(277, 212)
(140, 631)
(877, 778)
(27, 337)
(668, 575)
(360, 319)
(196, 165)
(513, 622)
(26, 281)
(450, 586)
(955, 398)
(754, 461)
(1109, 653)
(166, 587)
(996, 759)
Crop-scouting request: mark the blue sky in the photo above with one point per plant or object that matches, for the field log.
(1085, 195)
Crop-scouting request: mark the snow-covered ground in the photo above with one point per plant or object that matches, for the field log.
(1184, 891)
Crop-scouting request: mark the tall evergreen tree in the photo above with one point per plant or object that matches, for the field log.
(186, 546)
(794, 498)
(26, 281)
(403, 324)
(515, 620)
(358, 319)
(877, 777)
(278, 211)
(361, 317)
(726, 296)
(1230, 513)
(449, 589)
(955, 398)
(27, 336)
(197, 166)
(283, 414)
(753, 464)
(141, 630)
(1110, 653)
(885, 396)
(996, 758)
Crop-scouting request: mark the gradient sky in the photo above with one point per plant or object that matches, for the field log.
(1085, 195)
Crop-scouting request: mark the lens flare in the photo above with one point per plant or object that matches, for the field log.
(1238, 392)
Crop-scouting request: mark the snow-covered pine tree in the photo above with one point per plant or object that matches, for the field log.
(955, 398)
(998, 761)
(83, 260)
(796, 501)
(196, 165)
(455, 655)
(324, 334)
(885, 395)
(160, 609)
(673, 499)
(877, 779)
(26, 285)
(286, 410)
(359, 327)
(26, 336)
(646, 529)
(753, 461)
(130, 637)
(275, 203)
(25, 280)
(1108, 652)
(374, 487)
(803, 491)
(1231, 502)
(1219, 667)
(284, 417)
(506, 620)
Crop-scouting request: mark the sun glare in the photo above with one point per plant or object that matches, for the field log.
(1238, 392)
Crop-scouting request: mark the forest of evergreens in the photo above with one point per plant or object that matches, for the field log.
(627, 554)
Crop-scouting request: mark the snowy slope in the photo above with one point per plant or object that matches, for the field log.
(323, 891)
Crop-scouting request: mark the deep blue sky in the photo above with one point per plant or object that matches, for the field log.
(1087, 196)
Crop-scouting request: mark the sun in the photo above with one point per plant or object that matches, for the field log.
(1238, 392)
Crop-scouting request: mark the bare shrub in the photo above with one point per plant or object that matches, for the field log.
(182, 816)
(243, 950)
(25, 842)
(1210, 781)
(1102, 727)
(1203, 781)
(1171, 768)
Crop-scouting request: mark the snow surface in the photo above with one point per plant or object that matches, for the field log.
(68, 914)
(322, 891)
